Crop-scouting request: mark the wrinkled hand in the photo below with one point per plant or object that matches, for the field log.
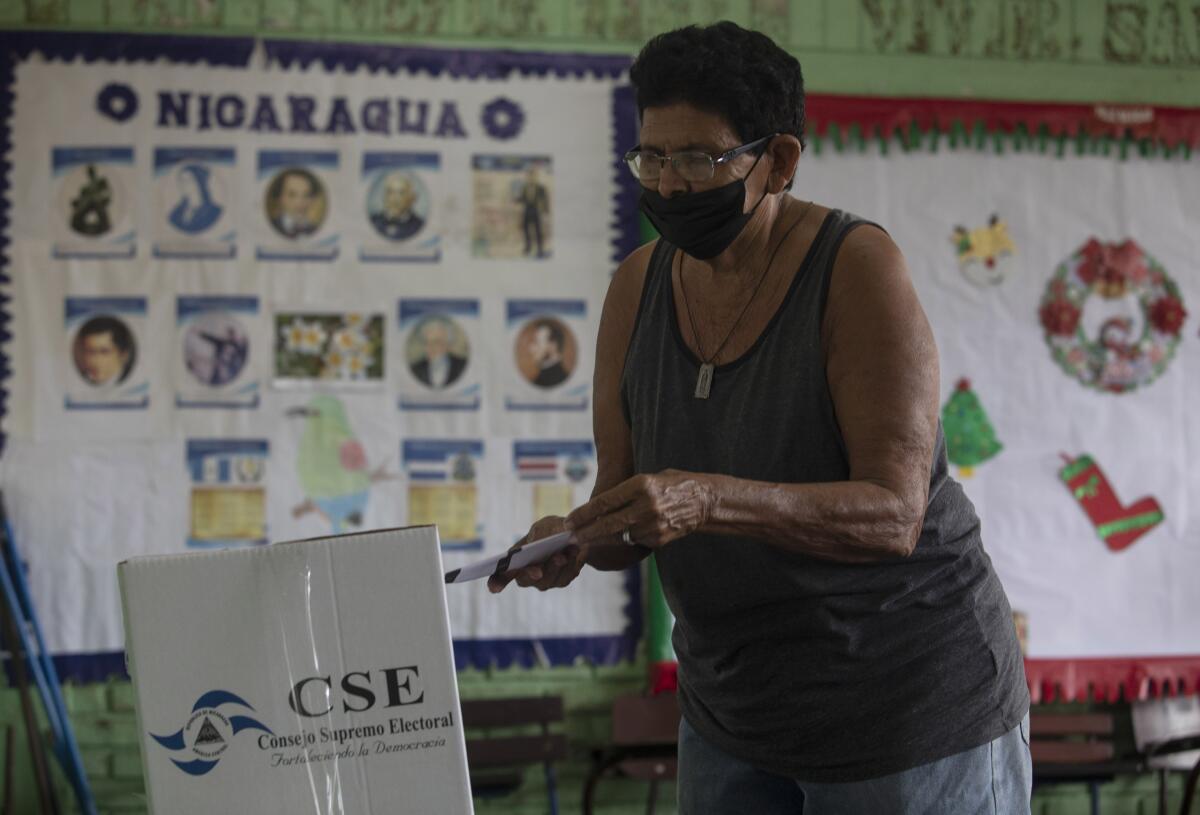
(656, 509)
(555, 572)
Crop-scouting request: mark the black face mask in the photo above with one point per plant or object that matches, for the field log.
(703, 224)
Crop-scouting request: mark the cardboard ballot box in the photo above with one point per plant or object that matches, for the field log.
(306, 677)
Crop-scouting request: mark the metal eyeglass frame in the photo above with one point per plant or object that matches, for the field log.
(728, 155)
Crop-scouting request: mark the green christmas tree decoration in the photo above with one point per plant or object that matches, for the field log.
(970, 437)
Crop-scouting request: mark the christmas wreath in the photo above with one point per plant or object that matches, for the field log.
(1112, 316)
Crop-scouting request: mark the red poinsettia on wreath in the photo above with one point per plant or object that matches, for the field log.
(1059, 316)
(1167, 314)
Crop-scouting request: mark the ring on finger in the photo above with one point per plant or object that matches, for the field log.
(626, 537)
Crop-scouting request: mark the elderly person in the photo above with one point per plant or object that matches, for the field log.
(766, 422)
(292, 200)
(398, 219)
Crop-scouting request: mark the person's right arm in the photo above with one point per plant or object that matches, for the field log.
(614, 440)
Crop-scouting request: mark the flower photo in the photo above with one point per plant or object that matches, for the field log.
(343, 348)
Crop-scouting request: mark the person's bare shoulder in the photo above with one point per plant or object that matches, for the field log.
(867, 249)
(625, 288)
(869, 274)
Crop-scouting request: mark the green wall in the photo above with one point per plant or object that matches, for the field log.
(1136, 51)
(1142, 52)
(106, 729)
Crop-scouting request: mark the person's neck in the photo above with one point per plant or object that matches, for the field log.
(744, 258)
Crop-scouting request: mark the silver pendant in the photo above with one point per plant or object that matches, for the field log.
(704, 381)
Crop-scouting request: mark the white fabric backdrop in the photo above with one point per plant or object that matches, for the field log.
(1081, 599)
(88, 488)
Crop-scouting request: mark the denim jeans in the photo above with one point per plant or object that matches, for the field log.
(992, 779)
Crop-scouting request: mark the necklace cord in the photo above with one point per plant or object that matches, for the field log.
(761, 279)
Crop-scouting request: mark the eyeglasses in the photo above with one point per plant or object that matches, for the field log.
(691, 165)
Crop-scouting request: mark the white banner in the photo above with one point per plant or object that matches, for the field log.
(1069, 376)
(265, 303)
(244, 296)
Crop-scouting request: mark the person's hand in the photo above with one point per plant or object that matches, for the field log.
(653, 509)
(553, 573)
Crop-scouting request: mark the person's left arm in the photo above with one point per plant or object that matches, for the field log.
(882, 369)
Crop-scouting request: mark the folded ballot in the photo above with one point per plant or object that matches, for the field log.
(527, 555)
(308, 677)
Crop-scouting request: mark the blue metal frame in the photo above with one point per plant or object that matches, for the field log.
(33, 646)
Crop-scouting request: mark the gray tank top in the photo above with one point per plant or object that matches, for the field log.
(815, 670)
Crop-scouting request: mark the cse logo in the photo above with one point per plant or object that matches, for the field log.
(315, 695)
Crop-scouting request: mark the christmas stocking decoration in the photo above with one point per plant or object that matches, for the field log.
(1118, 525)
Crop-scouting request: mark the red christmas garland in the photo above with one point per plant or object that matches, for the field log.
(1167, 127)
(1112, 679)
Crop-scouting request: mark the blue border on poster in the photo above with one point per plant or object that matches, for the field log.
(16, 46)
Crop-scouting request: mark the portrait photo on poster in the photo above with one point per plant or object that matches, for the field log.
(544, 338)
(104, 342)
(513, 213)
(437, 342)
(400, 193)
(546, 352)
(216, 365)
(93, 209)
(194, 195)
(296, 204)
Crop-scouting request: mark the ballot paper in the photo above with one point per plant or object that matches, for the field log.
(528, 554)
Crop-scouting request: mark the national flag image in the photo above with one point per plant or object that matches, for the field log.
(443, 489)
(441, 459)
(548, 460)
(537, 468)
